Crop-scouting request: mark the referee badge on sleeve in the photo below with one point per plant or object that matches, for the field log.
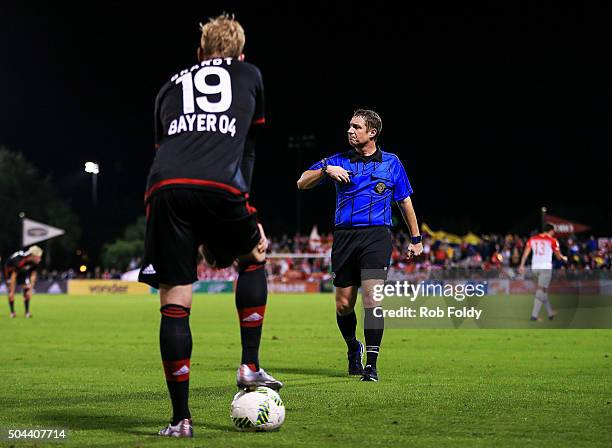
(380, 188)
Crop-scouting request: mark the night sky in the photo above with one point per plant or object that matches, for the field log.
(494, 112)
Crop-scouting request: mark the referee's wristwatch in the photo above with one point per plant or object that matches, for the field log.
(324, 167)
(416, 239)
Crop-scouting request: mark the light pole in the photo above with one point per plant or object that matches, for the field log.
(94, 169)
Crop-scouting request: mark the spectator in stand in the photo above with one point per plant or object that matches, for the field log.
(515, 259)
(440, 256)
(592, 244)
(496, 259)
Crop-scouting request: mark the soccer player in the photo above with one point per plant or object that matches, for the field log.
(20, 269)
(543, 245)
(367, 181)
(206, 118)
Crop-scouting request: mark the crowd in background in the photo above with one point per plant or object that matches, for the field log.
(499, 251)
(493, 253)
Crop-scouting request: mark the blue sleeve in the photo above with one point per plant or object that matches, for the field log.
(317, 166)
(402, 184)
(333, 160)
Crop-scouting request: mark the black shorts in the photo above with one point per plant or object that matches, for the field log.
(357, 249)
(180, 219)
(23, 278)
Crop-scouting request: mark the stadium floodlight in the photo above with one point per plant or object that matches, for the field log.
(92, 167)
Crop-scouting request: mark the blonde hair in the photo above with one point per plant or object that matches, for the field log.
(36, 251)
(222, 36)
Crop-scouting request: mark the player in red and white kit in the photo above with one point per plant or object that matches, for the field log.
(543, 246)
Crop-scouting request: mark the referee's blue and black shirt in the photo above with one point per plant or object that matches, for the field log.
(376, 182)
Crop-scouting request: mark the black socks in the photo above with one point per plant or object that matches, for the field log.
(373, 331)
(251, 298)
(175, 345)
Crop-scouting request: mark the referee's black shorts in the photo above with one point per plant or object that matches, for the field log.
(180, 219)
(360, 254)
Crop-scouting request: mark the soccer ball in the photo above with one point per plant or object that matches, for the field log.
(259, 410)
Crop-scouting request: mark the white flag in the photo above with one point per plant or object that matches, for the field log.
(314, 241)
(34, 231)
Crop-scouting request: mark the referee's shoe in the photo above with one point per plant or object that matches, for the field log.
(355, 364)
(369, 374)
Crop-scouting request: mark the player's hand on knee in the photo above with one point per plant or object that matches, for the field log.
(256, 256)
(262, 246)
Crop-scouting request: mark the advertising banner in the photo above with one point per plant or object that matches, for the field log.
(42, 287)
(213, 286)
(295, 286)
(114, 287)
(208, 287)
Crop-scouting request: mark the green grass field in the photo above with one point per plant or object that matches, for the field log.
(91, 365)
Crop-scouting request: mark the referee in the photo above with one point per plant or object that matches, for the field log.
(367, 181)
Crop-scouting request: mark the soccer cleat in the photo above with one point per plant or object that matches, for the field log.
(13, 315)
(28, 315)
(355, 365)
(248, 379)
(183, 428)
(369, 374)
(552, 316)
(537, 319)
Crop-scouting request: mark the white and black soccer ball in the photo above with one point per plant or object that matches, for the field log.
(258, 410)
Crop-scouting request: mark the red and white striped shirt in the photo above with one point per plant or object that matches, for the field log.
(542, 248)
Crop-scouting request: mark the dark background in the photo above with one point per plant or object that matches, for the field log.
(495, 111)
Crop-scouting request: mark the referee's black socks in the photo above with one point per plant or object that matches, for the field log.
(175, 346)
(251, 298)
(373, 328)
(347, 325)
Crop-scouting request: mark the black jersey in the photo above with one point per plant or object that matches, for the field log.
(202, 118)
(19, 263)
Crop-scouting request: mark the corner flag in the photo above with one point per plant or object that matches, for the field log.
(565, 227)
(34, 231)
